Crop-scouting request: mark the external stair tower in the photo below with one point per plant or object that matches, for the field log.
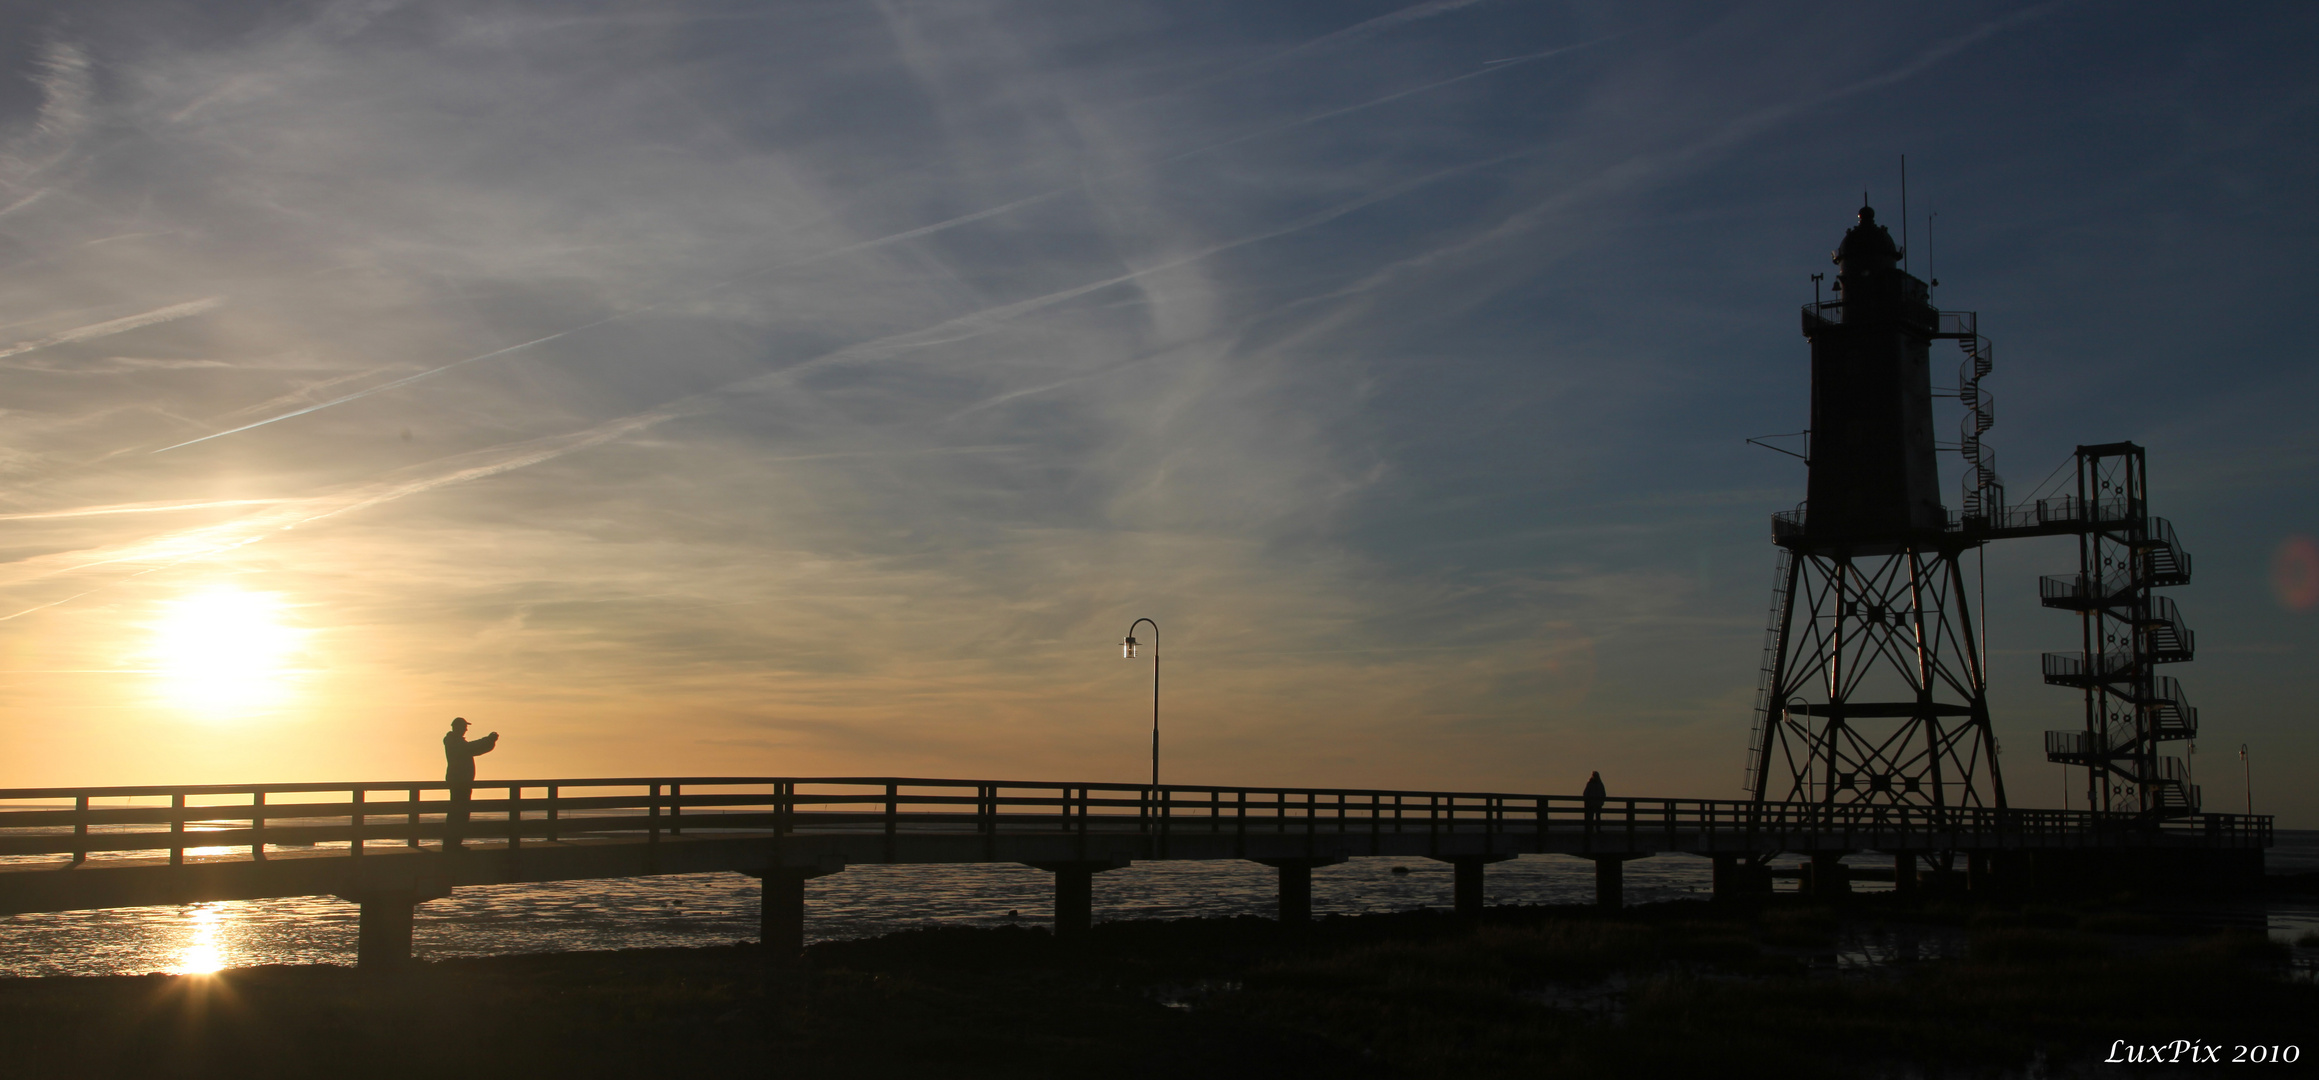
(2131, 710)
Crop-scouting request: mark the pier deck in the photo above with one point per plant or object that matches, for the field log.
(390, 846)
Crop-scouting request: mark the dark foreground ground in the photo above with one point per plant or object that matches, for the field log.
(1674, 990)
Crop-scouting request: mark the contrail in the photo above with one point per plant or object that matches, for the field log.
(305, 394)
(136, 508)
(115, 326)
(1387, 21)
(1362, 29)
(899, 237)
(173, 548)
(178, 547)
(1633, 169)
(23, 202)
(539, 450)
(1506, 64)
(46, 606)
(1001, 399)
(404, 381)
(973, 323)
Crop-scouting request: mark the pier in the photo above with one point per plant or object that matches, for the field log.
(389, 847)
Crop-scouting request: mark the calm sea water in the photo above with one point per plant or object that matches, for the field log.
(715, 909)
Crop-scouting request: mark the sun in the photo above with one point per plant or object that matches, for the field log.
(225, 651)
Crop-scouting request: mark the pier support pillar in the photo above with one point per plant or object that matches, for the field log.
(781, 908)
(387, 890)
(1737, 877)
(1830, 880)
(1726, 876)
(1467, 882)
(1074, 901)
(1978, 876)
(1610, 880)
(1296, 886)
(1904, 873)
(1075, 893)
(383, 940)
(781, 914)
(1610, 883)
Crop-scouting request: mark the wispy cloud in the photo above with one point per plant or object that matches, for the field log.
(934, 228)
(140, 508)
(828, 382)
(110, 327)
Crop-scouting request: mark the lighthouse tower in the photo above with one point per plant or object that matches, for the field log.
(1873, 478)
(1874, 680)
(1874, 688)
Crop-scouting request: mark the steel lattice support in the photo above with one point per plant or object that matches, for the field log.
(1877, 690)
(2131, 710)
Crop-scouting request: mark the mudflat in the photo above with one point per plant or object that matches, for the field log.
(1673, 989)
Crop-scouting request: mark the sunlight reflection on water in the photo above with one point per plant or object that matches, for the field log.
(716, 909)
(864, 901)
(204, 953)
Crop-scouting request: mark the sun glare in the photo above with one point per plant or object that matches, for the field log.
(224, 651)
(204, 952)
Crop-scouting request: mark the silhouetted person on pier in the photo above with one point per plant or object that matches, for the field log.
(1594, 799)
(459, 756)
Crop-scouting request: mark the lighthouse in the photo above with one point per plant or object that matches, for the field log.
(1874, 482)
(1874, 689)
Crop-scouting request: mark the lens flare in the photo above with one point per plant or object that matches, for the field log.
(2295, 573)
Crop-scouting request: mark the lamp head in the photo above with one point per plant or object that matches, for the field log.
(1127, 648)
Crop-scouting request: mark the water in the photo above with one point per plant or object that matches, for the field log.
(717, 909)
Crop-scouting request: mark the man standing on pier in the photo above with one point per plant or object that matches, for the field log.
(1594, 796)
(459, 771)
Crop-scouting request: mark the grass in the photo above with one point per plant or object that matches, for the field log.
(1675, 990)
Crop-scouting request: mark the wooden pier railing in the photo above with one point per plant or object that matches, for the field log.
(390, 846)
(267, 820)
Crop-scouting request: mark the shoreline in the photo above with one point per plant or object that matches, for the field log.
(1682, 986)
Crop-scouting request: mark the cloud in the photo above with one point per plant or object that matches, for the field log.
(838, 380)
(110, 327)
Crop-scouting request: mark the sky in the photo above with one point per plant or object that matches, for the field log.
(823, 388)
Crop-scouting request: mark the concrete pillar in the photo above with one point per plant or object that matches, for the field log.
(781, 914)
(1467, 882)
(386, 890)
(1610, 882)
(1295, 893)
(781, 905)
(1904, 873)
(1468, 888)
(1074, 900)
(383, 940)
(1737, 877)
(1296, 885)
(1829, 881)
(1075, 893)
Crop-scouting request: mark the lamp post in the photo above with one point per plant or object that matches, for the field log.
(1127, 648)
(2250, 773)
